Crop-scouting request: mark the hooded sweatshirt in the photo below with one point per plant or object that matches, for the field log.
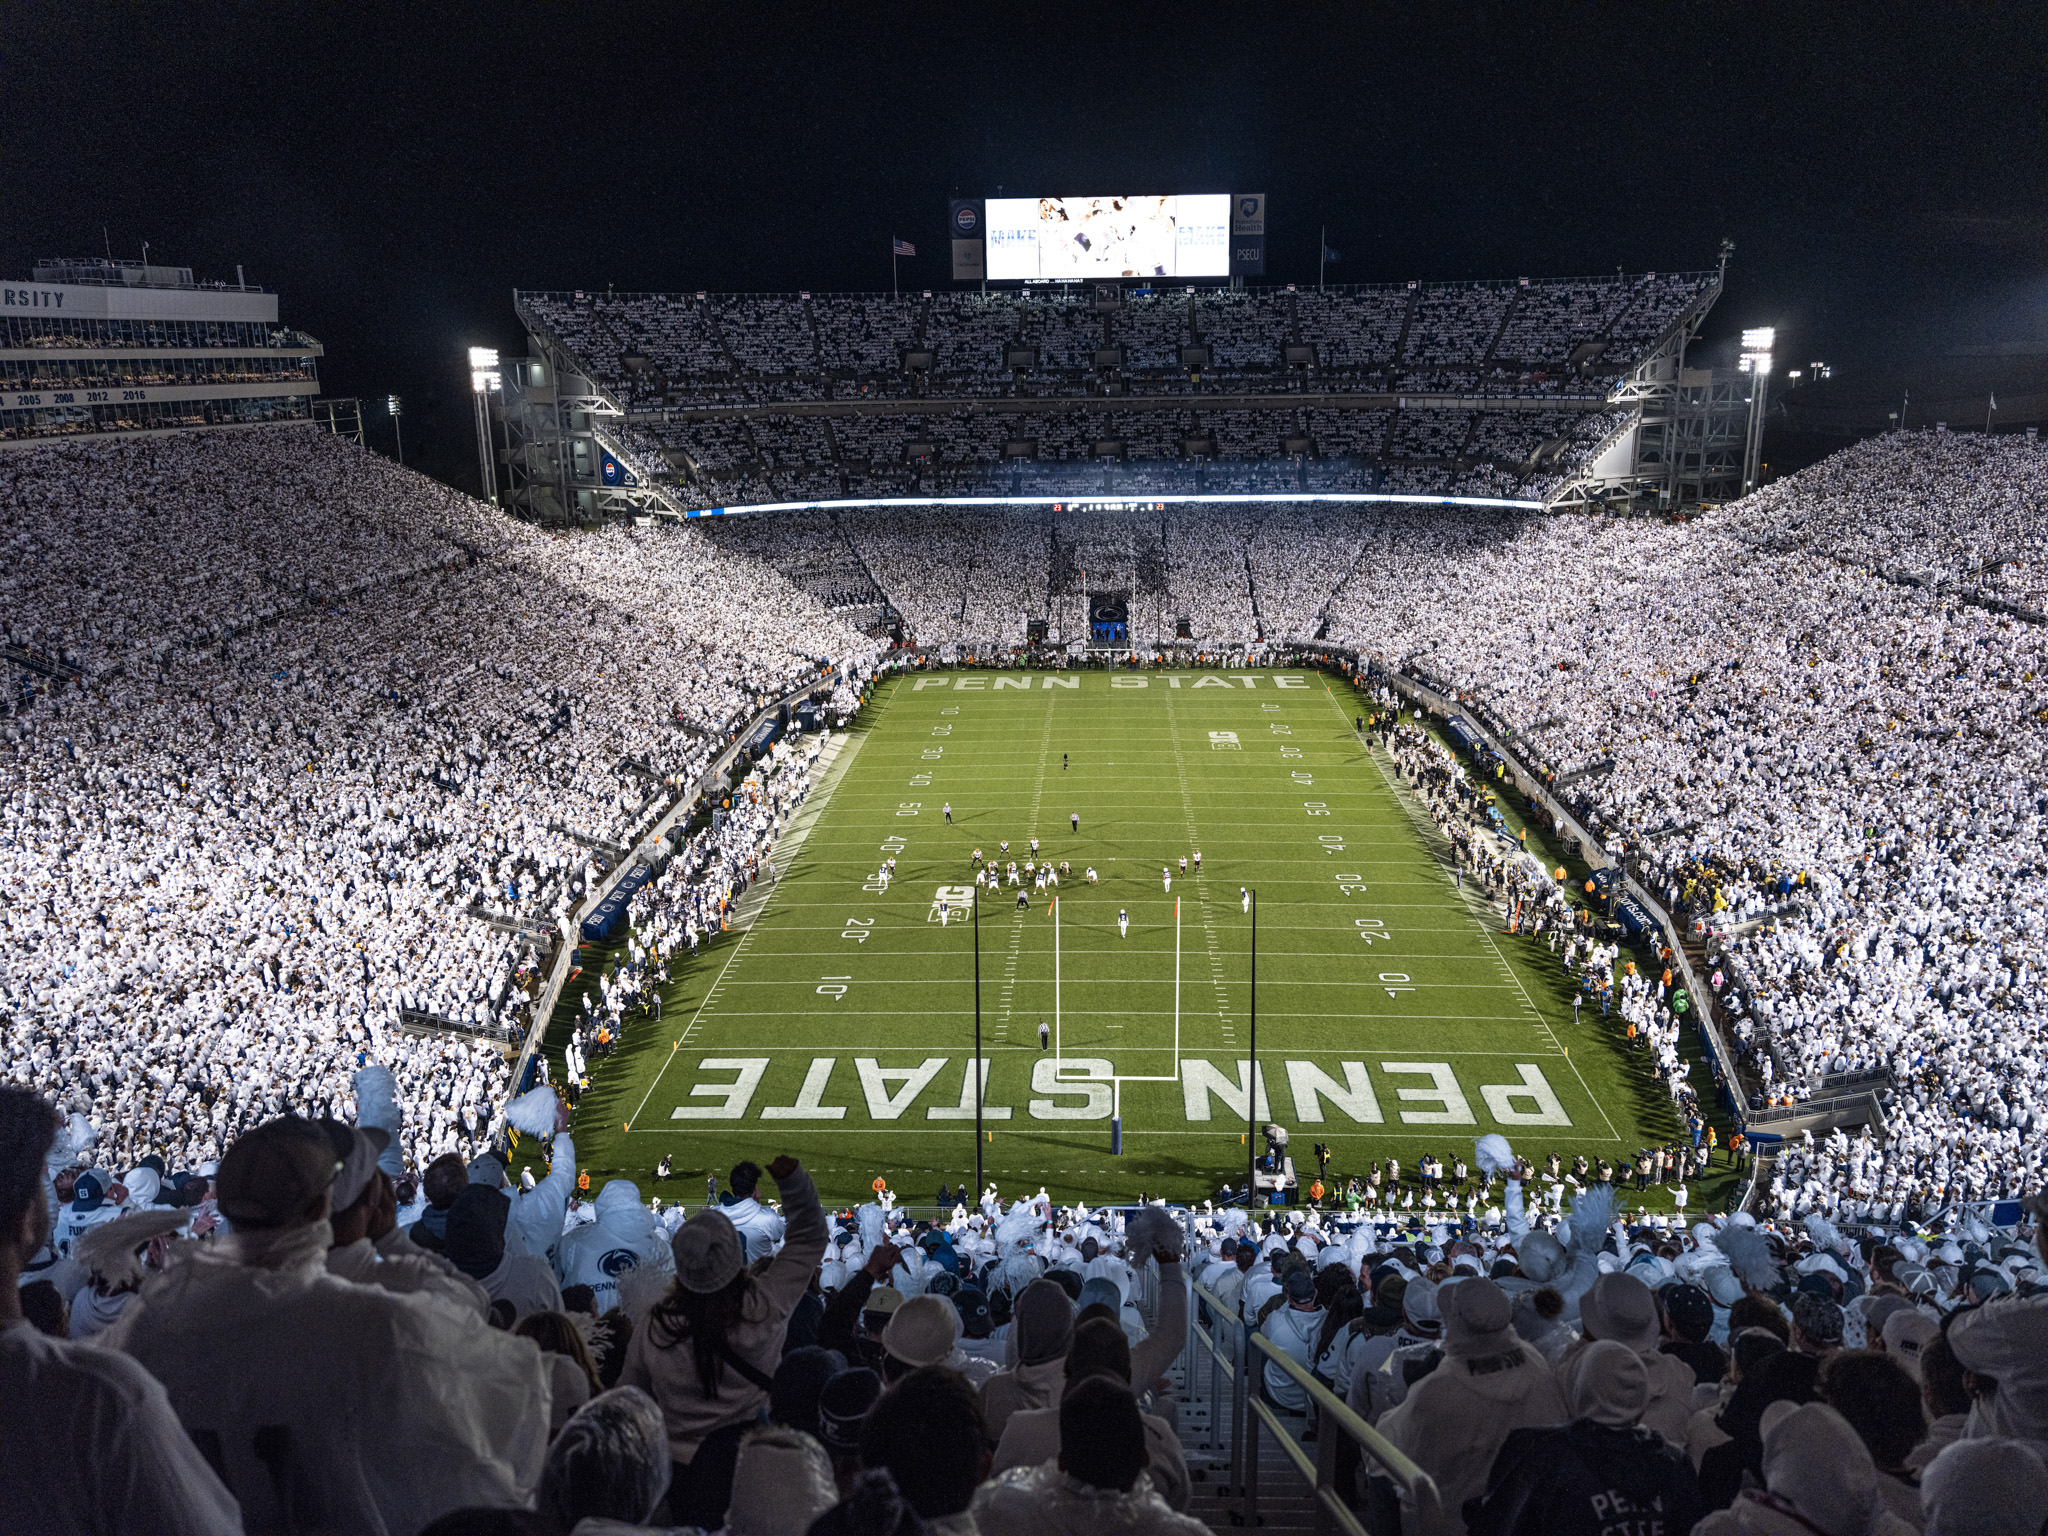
(1295, 1333)
(1453, 1422)
(622, 1238)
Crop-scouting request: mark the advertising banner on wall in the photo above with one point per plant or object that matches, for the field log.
(964, 223)
(1247, 234)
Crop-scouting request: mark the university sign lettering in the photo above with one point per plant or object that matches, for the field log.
(1079, 1088)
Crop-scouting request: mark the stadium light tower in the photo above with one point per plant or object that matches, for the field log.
(1756, 362)
(396, 407)
(484, 381)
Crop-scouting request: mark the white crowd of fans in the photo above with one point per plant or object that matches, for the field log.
(680, 349)
(302, 753)
(1837, 772)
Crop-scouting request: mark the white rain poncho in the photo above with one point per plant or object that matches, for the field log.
(396, 1409)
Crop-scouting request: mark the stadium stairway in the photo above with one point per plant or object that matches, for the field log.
(1286, 1503)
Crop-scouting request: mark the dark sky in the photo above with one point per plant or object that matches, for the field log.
(394, 172)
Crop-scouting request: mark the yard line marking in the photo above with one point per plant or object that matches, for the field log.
(692, 1026)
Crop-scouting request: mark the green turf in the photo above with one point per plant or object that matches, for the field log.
(1378, 984)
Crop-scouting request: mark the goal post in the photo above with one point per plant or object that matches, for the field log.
(1117, 1079)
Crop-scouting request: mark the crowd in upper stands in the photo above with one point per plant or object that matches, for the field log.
(303, 755)
(700, 376)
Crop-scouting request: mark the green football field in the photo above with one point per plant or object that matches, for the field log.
(1393, 1017)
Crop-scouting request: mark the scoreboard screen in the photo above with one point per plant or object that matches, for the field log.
(1067, 239)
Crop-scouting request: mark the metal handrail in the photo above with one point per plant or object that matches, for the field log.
(1333, 1513)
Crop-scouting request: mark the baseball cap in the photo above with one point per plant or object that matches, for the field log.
(357, 1148)
(272, 1176)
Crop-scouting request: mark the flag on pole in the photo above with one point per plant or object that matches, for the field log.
(1330, 257)
(902, 247)
(1994, 400)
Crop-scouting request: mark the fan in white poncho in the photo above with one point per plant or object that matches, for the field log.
(1491, 1154)
(112, 1253)
(1592, 1211)
(533, 1113)
(1749, 1256)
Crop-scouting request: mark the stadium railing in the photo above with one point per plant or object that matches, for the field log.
(1237, 1356)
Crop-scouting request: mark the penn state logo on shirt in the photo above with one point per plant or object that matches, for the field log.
(963, 219)
(1248, 207)
(618, 1261)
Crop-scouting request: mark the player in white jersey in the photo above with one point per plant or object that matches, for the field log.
(1183, 866)
(942, 911)
(1034, 845)
(1092, 877)
(1198, 861)
(1244, 898)
(1166, 877)
(1123, 924)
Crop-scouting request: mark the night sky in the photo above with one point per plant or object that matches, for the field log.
(393, 173)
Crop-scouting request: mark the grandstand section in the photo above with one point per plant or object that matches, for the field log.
(1523, 391)
(97, 346)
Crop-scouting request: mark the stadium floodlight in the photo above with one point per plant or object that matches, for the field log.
(1757, 342)
(484, 381)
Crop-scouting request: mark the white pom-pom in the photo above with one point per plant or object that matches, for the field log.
(1748, 1255)
(534, 1112)
(1492, 1154)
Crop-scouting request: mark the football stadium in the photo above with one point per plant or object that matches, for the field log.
(1109, 893)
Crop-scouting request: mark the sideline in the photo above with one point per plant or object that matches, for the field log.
(572, 925)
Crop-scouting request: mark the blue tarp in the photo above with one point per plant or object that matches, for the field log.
(763, 739)
(609, 915)
(1635, 918)
(1467, 738)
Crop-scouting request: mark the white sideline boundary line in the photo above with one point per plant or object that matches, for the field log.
(1485, 928)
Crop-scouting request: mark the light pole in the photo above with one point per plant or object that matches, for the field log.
(484, 381)
(396, 406)
(979, 1185)
(1756, 362)
(1251, 1090)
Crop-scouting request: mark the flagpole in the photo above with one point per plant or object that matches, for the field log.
(892, 271)
(1322, 250)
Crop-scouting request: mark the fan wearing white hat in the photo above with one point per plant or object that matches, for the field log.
(707, 1352)
(1620, 1307)
(1488, 1384)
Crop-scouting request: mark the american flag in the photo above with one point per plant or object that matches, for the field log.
(903, 247)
